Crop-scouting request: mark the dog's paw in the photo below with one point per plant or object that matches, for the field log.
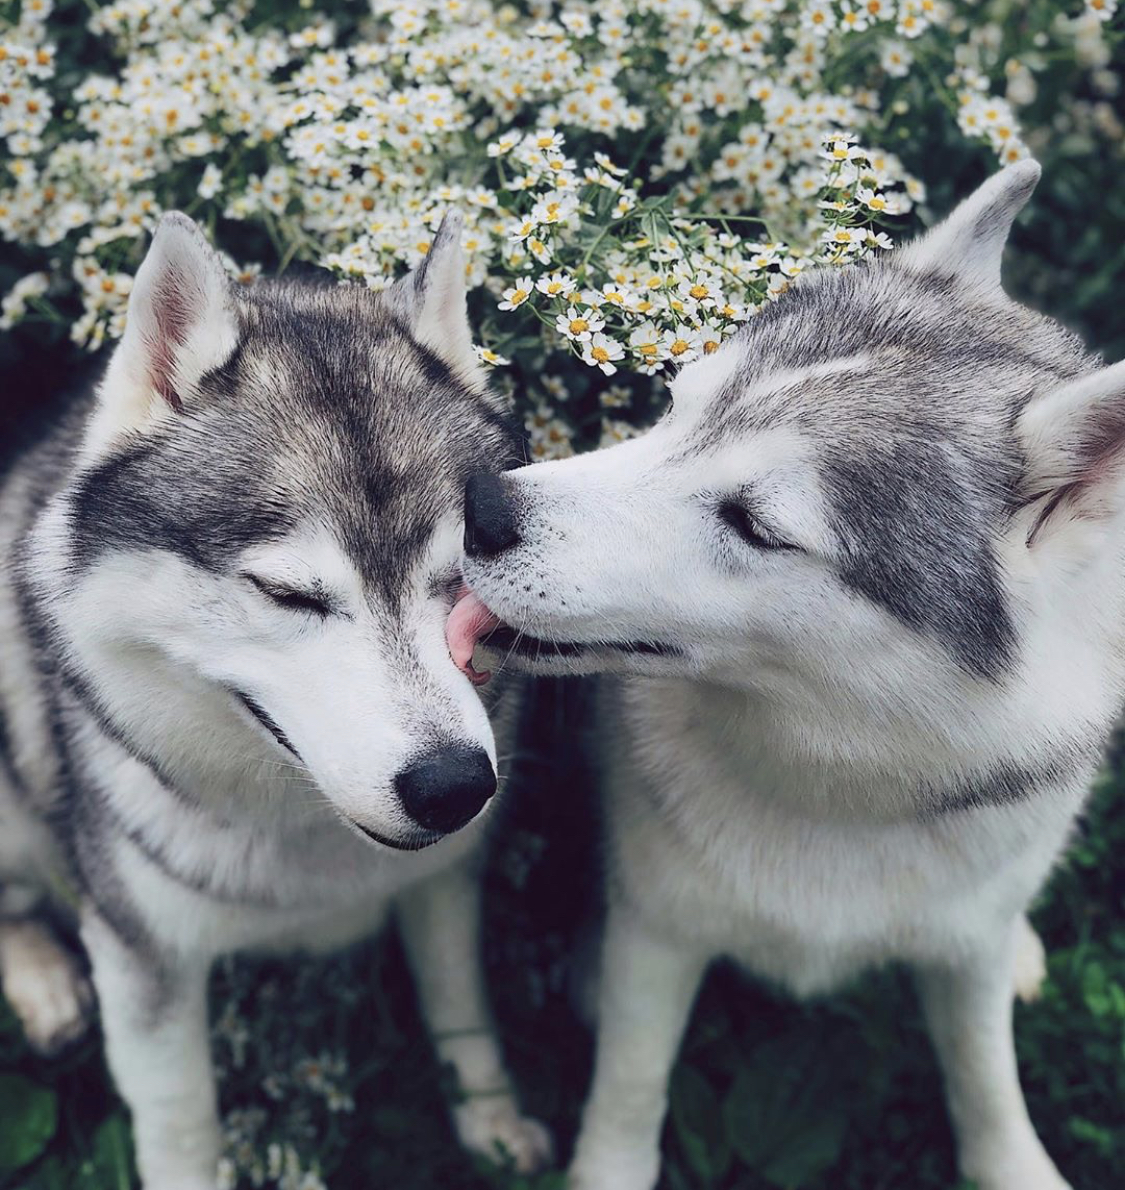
(1047, 1178)
(493, 1127)
(45, 987)
(620, 1170)
(1030, 965)
(1024, 1167)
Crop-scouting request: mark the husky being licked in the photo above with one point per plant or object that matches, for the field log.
(230, 718)
(870, 565)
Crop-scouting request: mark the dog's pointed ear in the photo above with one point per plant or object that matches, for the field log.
(970, 242)
(1073, 442)
(431, 300)
(181, 323)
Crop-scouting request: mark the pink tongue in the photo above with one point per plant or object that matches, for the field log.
(468, 622)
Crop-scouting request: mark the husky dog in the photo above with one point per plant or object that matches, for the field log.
(230, 717)
(870, 566)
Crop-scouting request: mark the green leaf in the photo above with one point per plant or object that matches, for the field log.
(697, 1119)
(30, 1115)
(110, 1165)
(786, 1112)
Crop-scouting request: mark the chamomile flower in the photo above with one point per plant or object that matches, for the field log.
(516, 295)
(351, 140)
(600, 351)
(682, 344)
(647, 344)
(872, 200)
(615, 396)
(556, 285)
(615, 431)
(579, 326)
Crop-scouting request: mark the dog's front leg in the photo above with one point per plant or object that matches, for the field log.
(968, 1007)
(158, 1046)
(647, 989)
(441, 928)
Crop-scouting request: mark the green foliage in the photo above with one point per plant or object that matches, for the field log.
(30, 1115)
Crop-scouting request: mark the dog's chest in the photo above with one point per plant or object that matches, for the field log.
(725, 859)
(218, 878)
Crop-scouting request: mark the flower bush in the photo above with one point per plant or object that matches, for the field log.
(638, 176)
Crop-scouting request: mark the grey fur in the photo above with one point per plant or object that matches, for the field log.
(313, 426)
(920, 486)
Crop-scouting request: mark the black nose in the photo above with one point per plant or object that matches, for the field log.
(444, 789)
(491, 521)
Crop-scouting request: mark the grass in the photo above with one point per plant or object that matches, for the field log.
(841, 1094)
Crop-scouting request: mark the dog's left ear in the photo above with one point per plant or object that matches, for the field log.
(182, 322)
(1073, 441)
(431, 301)
(970, 243)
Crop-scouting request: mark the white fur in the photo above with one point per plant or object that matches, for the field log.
(971, 241)
(762, 786)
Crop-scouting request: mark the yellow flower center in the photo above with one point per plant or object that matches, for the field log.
(600, 354)
(578, 326)
(698, 292)
(679, 347)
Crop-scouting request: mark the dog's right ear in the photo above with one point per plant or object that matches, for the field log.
(431, 300)
(1073, 443)
(181, 323)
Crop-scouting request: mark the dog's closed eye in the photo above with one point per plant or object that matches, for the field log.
(292, 598)
(749, 528)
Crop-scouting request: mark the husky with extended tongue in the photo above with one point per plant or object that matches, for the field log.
(870, 564)
(230, 718)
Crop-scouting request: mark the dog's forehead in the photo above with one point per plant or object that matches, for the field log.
(373, 436)
(329, 414)
(874, 348)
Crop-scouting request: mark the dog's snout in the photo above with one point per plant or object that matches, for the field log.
(447, 788)
(491, 516)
